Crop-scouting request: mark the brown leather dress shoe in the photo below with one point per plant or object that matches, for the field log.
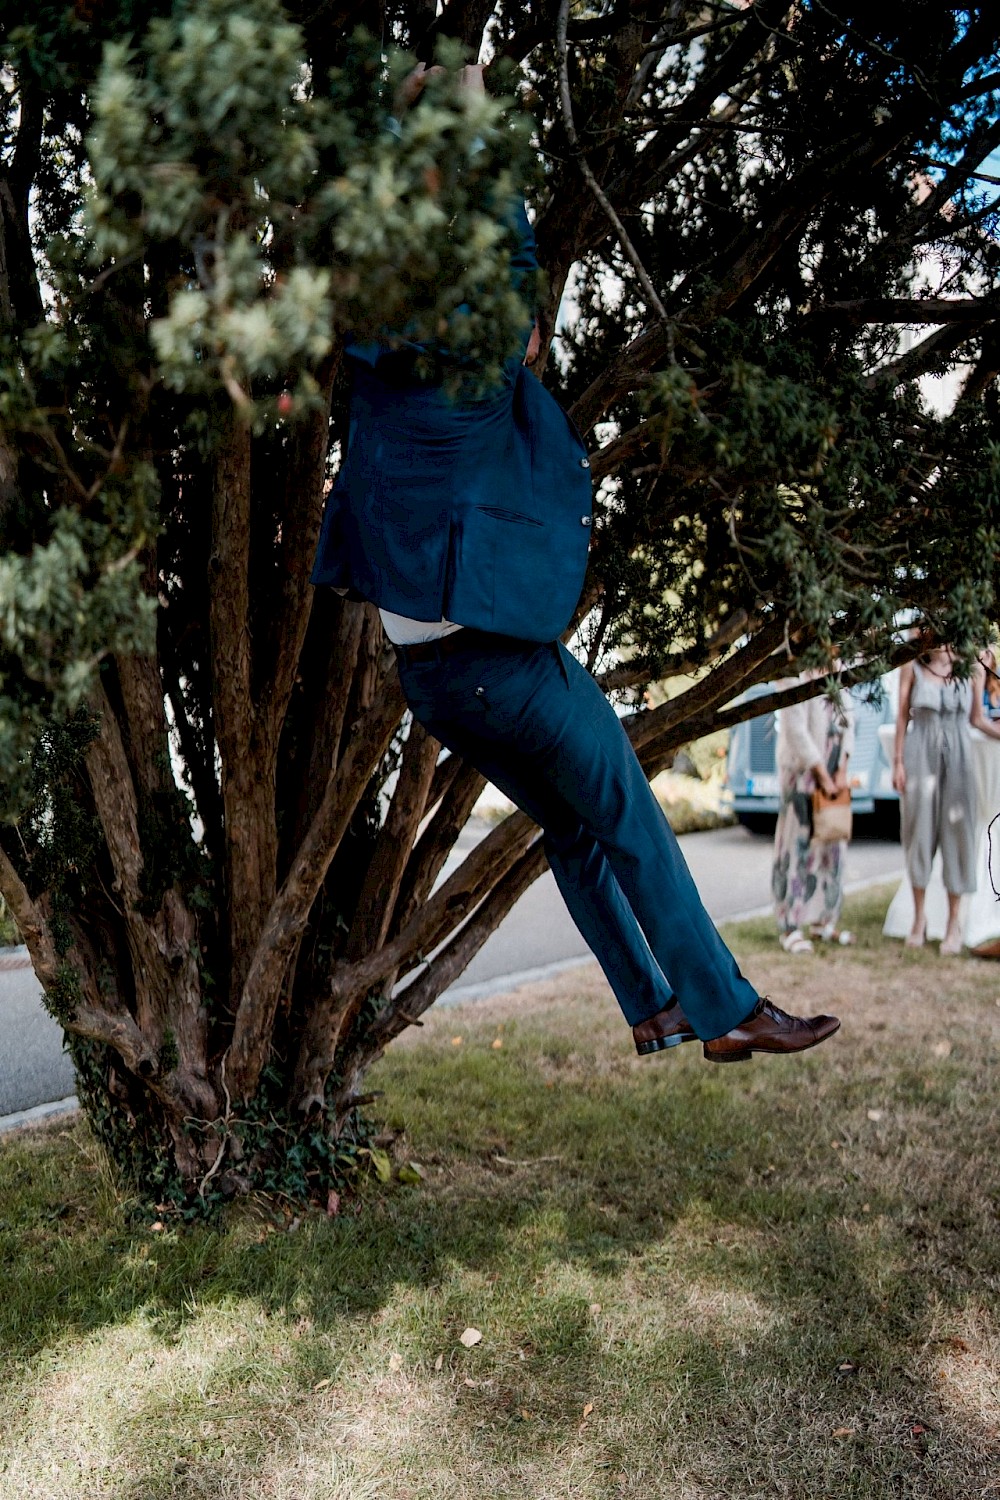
(668, 1028)
(769, 1029)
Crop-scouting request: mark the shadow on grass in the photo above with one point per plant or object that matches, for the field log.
(774, 1271)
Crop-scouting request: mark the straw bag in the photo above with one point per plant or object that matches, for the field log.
(831, 816)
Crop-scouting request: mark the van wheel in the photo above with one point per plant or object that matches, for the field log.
(758, 822)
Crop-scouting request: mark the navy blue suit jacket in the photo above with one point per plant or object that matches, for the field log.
(476, 511)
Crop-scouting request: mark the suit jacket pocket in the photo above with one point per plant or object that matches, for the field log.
(508, 515)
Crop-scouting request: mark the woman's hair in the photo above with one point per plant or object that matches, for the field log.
(988, 661)
(926, 639)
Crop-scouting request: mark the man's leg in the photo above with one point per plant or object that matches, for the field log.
(586, 882)
(605, 920)
(540, 727)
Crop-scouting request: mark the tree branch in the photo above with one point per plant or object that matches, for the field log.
(457, 787)
(702, 699)
(657, 754)
(456, 899)
(461, 949)
(289, 911)
(31, 923)
(649, 168)
(923, 356)
(681, 663)
(566, 105)
(229, 593)
(910, 310)
(302, 513)
(380, 888)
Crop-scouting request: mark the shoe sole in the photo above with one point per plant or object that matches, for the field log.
(661, 1043)
(747, 1054)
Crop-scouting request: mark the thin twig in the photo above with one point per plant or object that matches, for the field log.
(566, 108)
(217, 1163)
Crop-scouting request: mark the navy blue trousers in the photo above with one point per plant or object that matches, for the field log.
(535, 722)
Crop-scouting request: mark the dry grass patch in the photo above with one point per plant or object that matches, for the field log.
(699, 1283)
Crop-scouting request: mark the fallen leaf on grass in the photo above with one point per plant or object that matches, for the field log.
(588, 1408)
(842, 1432)
(941, 1049)
(332, 1204)
(847, 1367)
(497, 1043)
(470, 1337)
(395, 1363)
(595, 1308)
(524, 1415)
(456, 1041)
(412, 1172)
(321, 1385)
(380, 1161)
(876, 1114)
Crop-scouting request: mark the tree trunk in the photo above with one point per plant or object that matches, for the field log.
(224, 839)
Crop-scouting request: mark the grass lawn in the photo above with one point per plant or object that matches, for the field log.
(691, 1282)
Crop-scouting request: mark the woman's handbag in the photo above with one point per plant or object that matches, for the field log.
(831, 816)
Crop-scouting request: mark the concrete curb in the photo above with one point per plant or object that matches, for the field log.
(11, 958)
(14, 958)
(22, 1118)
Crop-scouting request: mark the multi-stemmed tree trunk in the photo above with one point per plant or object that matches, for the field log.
(224, 839)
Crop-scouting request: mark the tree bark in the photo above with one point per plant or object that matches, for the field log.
(247, 751)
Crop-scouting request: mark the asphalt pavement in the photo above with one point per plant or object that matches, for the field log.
(732, 869)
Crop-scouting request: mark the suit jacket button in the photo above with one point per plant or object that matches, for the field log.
(585, 463)
(584, 520)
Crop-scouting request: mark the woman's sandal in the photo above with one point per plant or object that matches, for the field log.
(831, 934)
(795, 942)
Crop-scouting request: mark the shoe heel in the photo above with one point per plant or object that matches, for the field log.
(727, 1057)
(658, 1044)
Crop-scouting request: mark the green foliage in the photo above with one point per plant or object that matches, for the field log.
(779, 474)
(304, 204)
(63, 996)
(205, 198)
(9, 935)
(63, 606)
(59, 828)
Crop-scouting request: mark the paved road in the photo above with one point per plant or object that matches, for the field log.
(731, 866)
(33, 1066)
(732, 869)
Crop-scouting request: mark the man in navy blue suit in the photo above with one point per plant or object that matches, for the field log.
(467, 522)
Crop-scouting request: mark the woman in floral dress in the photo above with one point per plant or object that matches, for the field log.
(815, 740)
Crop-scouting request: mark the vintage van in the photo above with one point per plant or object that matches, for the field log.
(752, 775)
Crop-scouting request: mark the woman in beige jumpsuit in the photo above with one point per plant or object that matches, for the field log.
(934, 776)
